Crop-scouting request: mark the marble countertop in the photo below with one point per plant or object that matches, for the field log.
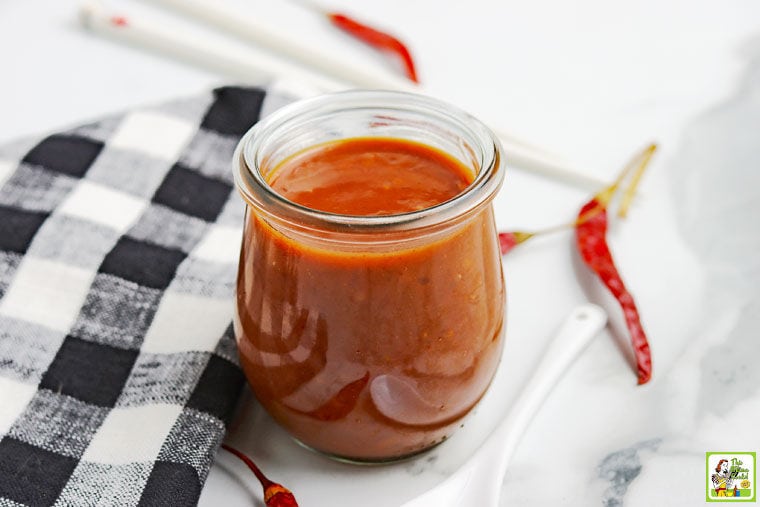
(594, 81)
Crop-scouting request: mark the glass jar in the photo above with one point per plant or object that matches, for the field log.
(369, 338)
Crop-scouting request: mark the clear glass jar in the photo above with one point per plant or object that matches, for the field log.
(369, 338)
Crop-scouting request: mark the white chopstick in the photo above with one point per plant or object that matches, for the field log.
(178, 43)
(248, 65)
(250, 29)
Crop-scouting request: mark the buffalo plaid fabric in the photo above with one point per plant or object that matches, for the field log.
(118, 251)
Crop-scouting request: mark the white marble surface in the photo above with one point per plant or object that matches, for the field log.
(595, 81)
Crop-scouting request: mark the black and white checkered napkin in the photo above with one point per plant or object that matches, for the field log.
(118, 251)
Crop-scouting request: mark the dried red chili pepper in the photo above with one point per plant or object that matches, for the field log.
(592, 244)
(591, 237)
(377, 39)
(591, 231)
(275, 495)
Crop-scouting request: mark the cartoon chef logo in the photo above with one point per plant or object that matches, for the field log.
(730, 477)
(723, 481)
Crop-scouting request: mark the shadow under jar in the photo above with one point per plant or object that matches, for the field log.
(369, 337)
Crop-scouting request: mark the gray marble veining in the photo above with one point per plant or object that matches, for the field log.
(620, 468)
(717, 184)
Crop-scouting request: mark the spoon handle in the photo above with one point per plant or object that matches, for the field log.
(478, 481)
(577, 331)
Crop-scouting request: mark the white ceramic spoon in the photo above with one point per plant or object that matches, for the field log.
(478, 481)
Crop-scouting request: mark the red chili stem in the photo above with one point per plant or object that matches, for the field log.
(376, 39)
(249, 462)
(630, 192)
(593, 247)
(275, 495)
(509, 240)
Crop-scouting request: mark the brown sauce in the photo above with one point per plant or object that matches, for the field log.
(363, 354)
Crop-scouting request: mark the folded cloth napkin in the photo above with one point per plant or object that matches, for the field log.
(118, 252)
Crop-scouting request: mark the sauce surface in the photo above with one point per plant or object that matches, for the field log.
(365, 354)
(370, 176)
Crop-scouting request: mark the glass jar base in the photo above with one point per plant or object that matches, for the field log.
(368, 461)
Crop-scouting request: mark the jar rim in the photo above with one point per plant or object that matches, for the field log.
(256, 191)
